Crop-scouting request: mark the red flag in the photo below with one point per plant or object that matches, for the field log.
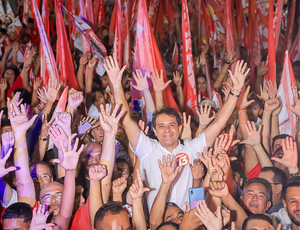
(295, 49)
(277, 21)
(153, 10)
(112, 24)
(126, 34)
(271, 75)
(242, 26)
(90, 13)
(287, 90)
(63, 100)
(2, 12)
(230, 40)
(289, 29)
(50, 69)
(96, 7)
(146, 44)
(158, 27)
(175, 56)
(67, 74)
(9, 11)
(45, 17)
(117, 50)
(189, 89)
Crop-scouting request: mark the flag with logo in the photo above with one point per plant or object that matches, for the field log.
(287, 90)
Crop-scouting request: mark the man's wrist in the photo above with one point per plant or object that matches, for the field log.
(293, 170)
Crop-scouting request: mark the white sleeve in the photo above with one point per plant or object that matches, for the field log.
(144, 146)
(13, 199)
(197, 144)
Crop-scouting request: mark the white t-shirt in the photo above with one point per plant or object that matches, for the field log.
(149, 151)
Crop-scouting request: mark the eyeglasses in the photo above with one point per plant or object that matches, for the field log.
(44, 177)
(47, 198)
(124, 171)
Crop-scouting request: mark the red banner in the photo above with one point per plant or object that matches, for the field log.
(146, 44)
(189, 89)
(45, 17)
(67, 74)
(117, 49)
(175, 56)
(90, 13)
(126, 34)
(289, 29)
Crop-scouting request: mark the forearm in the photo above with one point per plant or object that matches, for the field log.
(180, 98)
(80, 78)
(117, 197)
(107, 158)
(262, 156)
(158, 207)
(14, 59)
(274, 126)
(47, 107)
(37, 67)
(150, 107)
(258, 83)
(2, 99)
(265, 122)
(243, 118)
(200, 129)
(224, 70)
(196, 183)
(24, 183)
(251, 159)
(159, 101)
(88, 89)
(138, 217)
(95, 200)
(34, 99)
(232, 205)
(5, 192)
(25, 78)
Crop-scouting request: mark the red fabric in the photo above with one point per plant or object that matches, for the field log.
(18, 83)
(117, 50)
(90, 13)
(82, 219)
(45, 18)
(111, 29)
(126, 34)
(189, 89)
(289, 30)
(34, 34)
(253, 172)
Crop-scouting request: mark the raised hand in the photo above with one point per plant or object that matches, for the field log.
(158, 81)
(143, 126)
(141, 81)
(57, 134)
(39, 108)
(3, 170)
(295, 109)
(64, 120)
(218, 189)
(39, 218)
(254, 137)
(290, 155)
(109, 123)
(264, 92)
(214, 169)
(240, 74)
(15, 100)
(205, 156)
(70, 156)
(46, 125)
(74, 98)
(97, 172)
(52, 89)
(37, 82)
(3, 84)
(226, 90)
(119, 185)
(177, 78)
(84, 59)
(92, 63)
(167, 168)
(41, 95)
(271, 104)
(203, 115)
(137, 189)
(243, 103)
(15, 47)
(209, 219)
(231, 56)
(257, 59)
(186, 131)
(113, 70)
(262, 69)
(272, 89)
(197, 169)
(19, 120)
(8, 139)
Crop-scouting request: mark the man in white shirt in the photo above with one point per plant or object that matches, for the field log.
(167, 127)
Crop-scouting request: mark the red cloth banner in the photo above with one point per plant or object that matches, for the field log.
(189, 89)
(126, 34)
(117, 48)
(287, 42)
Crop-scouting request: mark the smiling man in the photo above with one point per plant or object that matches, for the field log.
(167, 127)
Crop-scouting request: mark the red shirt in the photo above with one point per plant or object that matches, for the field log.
(18, 83)
(253, 172)
(82, 218)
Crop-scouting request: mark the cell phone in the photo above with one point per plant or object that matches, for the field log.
(138, 106)
(196, 194)
(84, 126)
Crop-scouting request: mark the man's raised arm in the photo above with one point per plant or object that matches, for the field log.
(115, 75)
(238, 79)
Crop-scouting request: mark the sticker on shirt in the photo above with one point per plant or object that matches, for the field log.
(128, 209)
(182, 159)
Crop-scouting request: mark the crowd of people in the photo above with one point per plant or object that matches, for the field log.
(94, 158)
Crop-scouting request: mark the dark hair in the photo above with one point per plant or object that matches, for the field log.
(15, 69)
(200, 75)
(18, 210)
(280, 136)
(257, 101)
(256, 217)
(279, 176)
(5, 122)
(170, 204)
(30, 20)
(236, 167)
(119, 160)
(292, 182)
(167, 224)
(24, 94)
(261, 181)
(94, 90)
(61, 180)
(168, 111)
(42, 163)
(110, 207)
(2, 30)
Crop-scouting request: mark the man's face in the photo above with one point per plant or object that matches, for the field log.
(93, 154)
(269, 177)
(201, 84)
(255, 198)
(292, 204)
(51, 196)
(13, 224)
(257, 225)
(98, 132)
(277, 143)
(120, 219)
(41, 175)
(173, 214)
(167, 130)
(123, 170)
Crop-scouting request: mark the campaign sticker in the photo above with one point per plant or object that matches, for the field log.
(182, 159)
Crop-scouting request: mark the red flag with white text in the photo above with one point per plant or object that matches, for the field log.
(67, 74)
(117, 48)
(126, 34)
(287, 90)
(189, 89)
(146, 44)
